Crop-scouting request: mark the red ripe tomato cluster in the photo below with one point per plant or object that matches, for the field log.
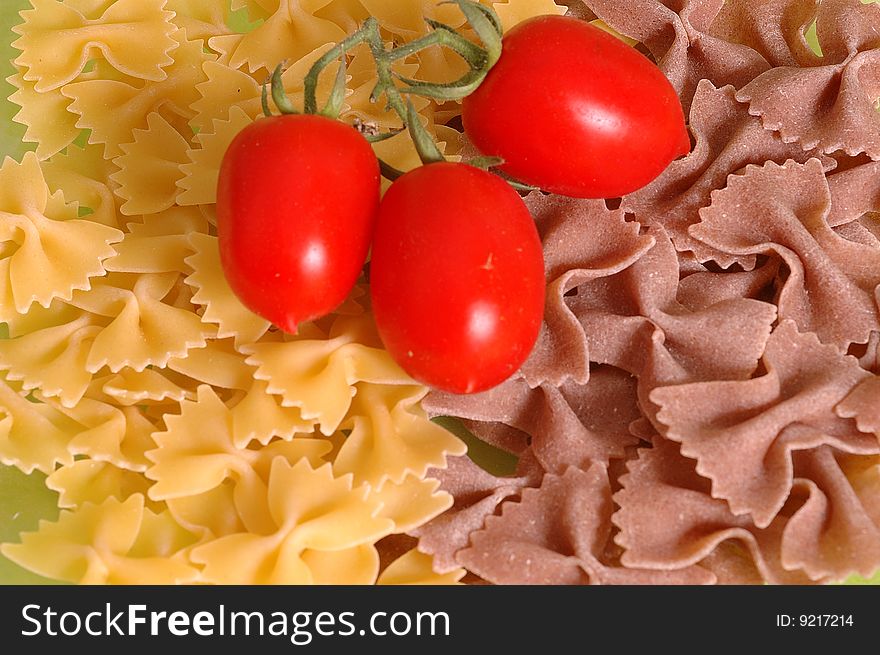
(457, 274)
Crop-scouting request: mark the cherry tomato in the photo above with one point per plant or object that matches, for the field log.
(296, 206)
(575, 111)
(456, 277)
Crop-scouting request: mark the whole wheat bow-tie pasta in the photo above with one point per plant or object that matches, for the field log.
(702, 405)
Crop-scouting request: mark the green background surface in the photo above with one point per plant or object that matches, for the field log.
(24, 499)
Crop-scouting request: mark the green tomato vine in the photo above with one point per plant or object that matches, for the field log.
(394, 87)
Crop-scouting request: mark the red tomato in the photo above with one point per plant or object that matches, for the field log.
(296, 206)
(456, 277)
(575, 111)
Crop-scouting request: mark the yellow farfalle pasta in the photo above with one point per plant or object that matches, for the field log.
(411, 503)
(390, 437)
(197, 453)
(33, 436)
(113, 542)
(57, 40)
(221, 306)
(512, 12)
(290, 32)
(180, 430)
(200, 19)
(320, 523)
(414, 568)
(146, 329)
(318, 375)
(84, 176)
(45, 115)
(53, 360)
(90, 481)
(198, 184)
(112, 108)
(150, 167)
(130, 387)
(159, 243)
(46, 251)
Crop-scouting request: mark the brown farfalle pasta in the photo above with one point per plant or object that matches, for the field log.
(583, 240)
(827, 102)
(783, 210)
(727, 138)
(742, 433)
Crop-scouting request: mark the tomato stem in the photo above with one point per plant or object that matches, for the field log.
(388, 171)
(425, 145)
(334, 103)
(487, 26)
(310, 83)
(279, 95)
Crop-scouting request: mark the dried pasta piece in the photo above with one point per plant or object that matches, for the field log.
(415, 568)
(477, 494)
(114, 108)
(358, 565)
(113, 542)
(633, 321)
(196, 452)
(259, 416)
(407, 19)
(145, 328)
(412, 502)
(209, 515)
(56, 40)
(221, 306)
(783, 210)
(557, 534)
(570, 425)
(48, 252)
(226, 87)
(90, 481)
(742, 433)
(130, 387)
(318, 375)
(150, 168)
(120, 436)
(317, 520)
(829, 106)
(582, 240)
(199, 175)
(391, 438)
(53, 359)
(217, 364)
(33, 435)
(855, 192)
(863, 405)
(826, 107)
(679, 36)
(45, 115)
(200, 19)
(158, 244)
(83, 176)
(837, 530)
(704, 288)
(669, 520)
(727, 139)
(291, 31)
(774, 28)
